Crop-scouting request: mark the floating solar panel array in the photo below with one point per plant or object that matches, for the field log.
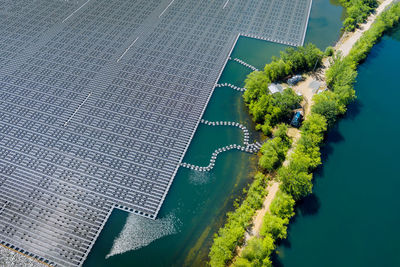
(99, 100)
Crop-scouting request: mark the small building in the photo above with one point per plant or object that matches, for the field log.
(294, 80)
(297, 118)
(275, 88)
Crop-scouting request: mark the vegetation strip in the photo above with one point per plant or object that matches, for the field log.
(357, 12)
(296, 176)
(271, 111)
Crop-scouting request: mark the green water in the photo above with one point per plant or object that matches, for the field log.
(197, 202)
(353, 218)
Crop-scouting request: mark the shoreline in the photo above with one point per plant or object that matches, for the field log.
(345, 43)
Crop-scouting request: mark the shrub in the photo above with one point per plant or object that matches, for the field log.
(269, 110)
(329, 51)
(357, 12)
(328, 104)
(257, 252)
(282, 205)
(232, 233)
(274, 226)
(274, 150)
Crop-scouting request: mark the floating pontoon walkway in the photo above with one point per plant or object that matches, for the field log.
(247, 65)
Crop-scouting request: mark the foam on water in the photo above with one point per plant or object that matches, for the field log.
(199, 178)
(139, 232)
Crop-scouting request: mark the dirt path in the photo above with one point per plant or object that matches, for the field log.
(306, 92)
(344, 45)
(349, 39)
(273, 188)
(257, 223)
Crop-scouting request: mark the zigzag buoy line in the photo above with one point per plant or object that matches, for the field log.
(249, 148)
(244, 64)
(229, 123)
(234, 87)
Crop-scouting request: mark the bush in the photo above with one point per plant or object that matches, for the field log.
(329, 51)
(357, 12)
(273, 151)
(232, 234)
(328, 104)
(257, 252)
(269, 110)
(274, 226)
(282, 205)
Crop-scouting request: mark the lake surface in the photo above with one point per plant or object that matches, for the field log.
(353, 218)
(197, 202)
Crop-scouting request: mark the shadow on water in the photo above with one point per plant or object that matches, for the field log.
(353, 109)
(276, 262)
(334, 136)
(310, 205)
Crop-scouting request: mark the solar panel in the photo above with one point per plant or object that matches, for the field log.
(99, 100)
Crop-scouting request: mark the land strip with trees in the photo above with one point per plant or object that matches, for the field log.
(295, 176)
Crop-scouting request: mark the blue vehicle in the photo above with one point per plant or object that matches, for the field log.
(297, 118)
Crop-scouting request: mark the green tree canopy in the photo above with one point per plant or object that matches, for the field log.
(256, 84)
(282, 205)
(275, 226)
(297, 184)
(328, 105)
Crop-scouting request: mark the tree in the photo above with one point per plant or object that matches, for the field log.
(269, 158)
(256, 84)
(296, 184)
(282, 205)
(275, 226)
(342, 72)
(329, 51)
(281, 132)
(357, 12)
(257, 252)
(260, 107)
(328, 105)
(287, 101)
(274, 150)
(276, 70)
(314, 124)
